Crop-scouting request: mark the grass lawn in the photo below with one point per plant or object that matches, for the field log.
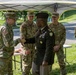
(71, 67)
(71, 58)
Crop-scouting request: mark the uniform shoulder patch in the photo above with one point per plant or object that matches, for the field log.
(4, 31)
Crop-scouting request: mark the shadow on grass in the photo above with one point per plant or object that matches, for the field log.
(70, 69)
(55, 72)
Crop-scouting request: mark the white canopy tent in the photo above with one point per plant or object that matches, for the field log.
(40, 5)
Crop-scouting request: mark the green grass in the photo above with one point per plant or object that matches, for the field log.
(17, 66)
(71, 58)
(1, 22)
(71, 67)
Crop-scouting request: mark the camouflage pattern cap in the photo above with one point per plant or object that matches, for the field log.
(10, 15)
(30, 13)
(55, 14)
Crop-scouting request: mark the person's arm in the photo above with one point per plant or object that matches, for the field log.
(63, 36)
(7, 40)
(23, 32)
(50, 42)
(30, 40)
(17, 41)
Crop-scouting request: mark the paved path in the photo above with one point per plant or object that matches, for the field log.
(70, 39)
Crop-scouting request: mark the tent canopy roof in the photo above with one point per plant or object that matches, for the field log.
(39, 5)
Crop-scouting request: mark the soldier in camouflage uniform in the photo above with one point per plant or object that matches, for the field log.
(7, 44)
(60, 36)
(27, 30)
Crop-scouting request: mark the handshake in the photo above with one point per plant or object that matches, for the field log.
(27, 41)
(22, 52)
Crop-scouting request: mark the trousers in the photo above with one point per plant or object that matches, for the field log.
(40, 70)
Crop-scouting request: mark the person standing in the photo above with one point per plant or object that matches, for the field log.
(44, 42)
(7, 44)
(28, 30)
(60, 37)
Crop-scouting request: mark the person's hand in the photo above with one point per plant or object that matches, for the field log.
(27, 52)
(44, 63)
(18, 50)
(56, 48)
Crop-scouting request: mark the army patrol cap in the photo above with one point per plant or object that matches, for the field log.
(30, 13)
(11, 15)
(55, 14)
(42, 15)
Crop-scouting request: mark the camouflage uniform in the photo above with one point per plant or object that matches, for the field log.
(27, 30)
(60, 36)
(6, 49)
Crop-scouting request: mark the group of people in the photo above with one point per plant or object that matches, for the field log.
(39, 41)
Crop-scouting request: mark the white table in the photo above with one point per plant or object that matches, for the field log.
(65, 47)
